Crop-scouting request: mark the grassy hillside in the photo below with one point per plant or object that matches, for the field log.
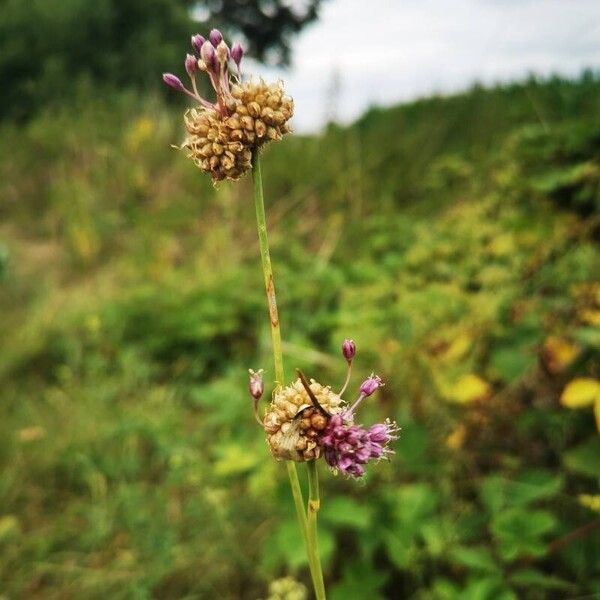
(455, 239)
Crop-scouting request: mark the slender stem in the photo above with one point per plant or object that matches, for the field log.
(265, 256)
(314, 504)
(348, 375)
(314, 565)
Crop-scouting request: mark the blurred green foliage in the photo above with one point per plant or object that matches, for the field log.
(455, 239)
(54, 50)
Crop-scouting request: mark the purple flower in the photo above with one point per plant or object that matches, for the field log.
(215, 37)
(370, 385)
(191, 65)
(237, 52)
(209, 56)
(347, 447)
(197, 41)
(173, 81)
(349, 349)
(256, 385)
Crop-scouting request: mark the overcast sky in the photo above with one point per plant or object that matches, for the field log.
(386, 51)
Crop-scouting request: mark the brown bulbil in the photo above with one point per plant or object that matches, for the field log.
(222, 145)
(214, 144)
(292, 423)
(263, 110)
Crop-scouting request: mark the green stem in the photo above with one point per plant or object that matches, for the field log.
(261, 222)
(314, 503)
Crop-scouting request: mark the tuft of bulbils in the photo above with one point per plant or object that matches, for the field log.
(222, 135)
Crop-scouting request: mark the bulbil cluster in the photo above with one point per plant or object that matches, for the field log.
(244, 116)
(307, 420)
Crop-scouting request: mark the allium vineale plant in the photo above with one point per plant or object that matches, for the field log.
(305, 420)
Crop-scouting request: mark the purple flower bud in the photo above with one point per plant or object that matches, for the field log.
(215, 37)
(349, 349)
(370, 385)
(173, 81)
(197, 41)
(256, 385)
(209, 56)
(237, 52)
(191, 65)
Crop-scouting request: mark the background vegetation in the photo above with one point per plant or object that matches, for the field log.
(455, 239)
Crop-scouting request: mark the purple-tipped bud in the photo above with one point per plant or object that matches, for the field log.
(209, 56)
(256, 385)
(173, 81)
(237, 52)
(197, 41)
(215, 37)
(349, 349)
(191, 65)
(370, 385)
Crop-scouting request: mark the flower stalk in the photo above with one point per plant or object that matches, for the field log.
(308, 526)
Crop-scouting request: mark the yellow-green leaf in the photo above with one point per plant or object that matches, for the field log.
(580, 393)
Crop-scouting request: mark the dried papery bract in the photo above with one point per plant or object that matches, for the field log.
(245, 115)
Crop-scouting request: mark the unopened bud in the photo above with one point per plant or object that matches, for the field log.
(223, 52)
(209, 56)
(197, 41)
(237, 52)
(173, 81)
(191, 65)
(256, 384)
(215, 37)
(349, 349)
(370, 385)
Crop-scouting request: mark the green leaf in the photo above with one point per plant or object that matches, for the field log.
(534, 485)
(510, 363)
(474, 558)
(487, 588)
(359, 580)
(536, 580)
(585, 459)
(346, 512)
(415, 504)
(519, 532)
(399, 549)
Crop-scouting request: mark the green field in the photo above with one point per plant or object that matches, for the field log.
(454, 238)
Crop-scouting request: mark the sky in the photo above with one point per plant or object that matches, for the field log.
(362, 53)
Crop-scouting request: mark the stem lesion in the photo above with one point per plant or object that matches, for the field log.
(307, 519)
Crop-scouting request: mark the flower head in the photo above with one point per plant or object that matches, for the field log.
(348, 447)
(222, 134)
